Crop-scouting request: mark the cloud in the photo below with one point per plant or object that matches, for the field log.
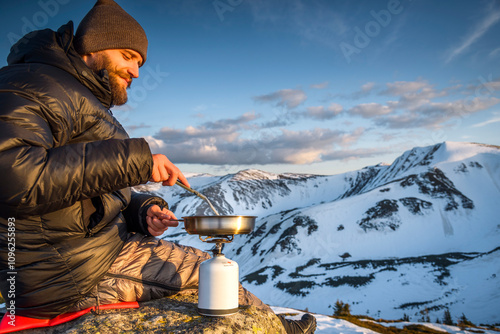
(399, 88)
(370, 110)
(322, 113)
(488, 122)
(302, 147)
(133, 127)
(281, 121)
(231, 123)
(494, 53)
(319, 113)
(251, 139)
(322, 85)
(224, 129)
(413, 94)
(203, 146)
(291, 98)
(486, 86)
(365, 90)
(436, 114)
(415, 105)
(491, 18)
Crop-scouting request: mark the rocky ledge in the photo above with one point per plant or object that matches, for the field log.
(168, 315)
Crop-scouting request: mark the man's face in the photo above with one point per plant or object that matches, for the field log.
(122, 65)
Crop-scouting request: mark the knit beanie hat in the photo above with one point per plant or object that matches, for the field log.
(108, 26)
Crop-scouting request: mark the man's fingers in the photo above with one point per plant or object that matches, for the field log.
(172, 176)
(157, 224)
(154, 233)
(155, 212)
(166, 172)
(154, 223)
(169, 223)
(155, 177)
(166, 214)
(183, 179)
(164, 175)
(160, 222)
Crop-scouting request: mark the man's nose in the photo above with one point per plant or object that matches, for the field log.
(134, 71)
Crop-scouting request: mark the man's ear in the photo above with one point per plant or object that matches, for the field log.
(88, 58)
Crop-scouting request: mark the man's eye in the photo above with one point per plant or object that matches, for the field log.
(125, 56)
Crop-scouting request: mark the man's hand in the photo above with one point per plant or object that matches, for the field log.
(159, 220)
(166, 172)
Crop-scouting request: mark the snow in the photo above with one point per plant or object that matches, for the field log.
(444, 256)
(329, 325)
(438, 327)
(325, 324)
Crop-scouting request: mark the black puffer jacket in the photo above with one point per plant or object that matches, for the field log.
(65, 168)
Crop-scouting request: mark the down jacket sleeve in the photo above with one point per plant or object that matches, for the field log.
(44, 168)
(135, 214)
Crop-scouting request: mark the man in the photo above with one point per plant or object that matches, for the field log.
(82, 238)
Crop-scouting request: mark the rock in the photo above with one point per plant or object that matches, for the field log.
(175, 314)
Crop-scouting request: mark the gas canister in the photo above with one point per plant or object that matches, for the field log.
(218, 287)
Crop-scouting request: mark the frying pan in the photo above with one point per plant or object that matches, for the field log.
(218, 224)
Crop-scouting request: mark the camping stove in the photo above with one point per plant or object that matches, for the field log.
(219, 277)
(219, 282)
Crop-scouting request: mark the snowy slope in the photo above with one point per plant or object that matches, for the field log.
(420, 233)
(329, 325)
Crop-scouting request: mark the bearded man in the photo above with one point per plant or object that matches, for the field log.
(82, 238)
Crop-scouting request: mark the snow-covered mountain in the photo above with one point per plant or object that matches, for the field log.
(419, 235)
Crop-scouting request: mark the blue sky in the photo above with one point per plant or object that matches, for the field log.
(300, 86)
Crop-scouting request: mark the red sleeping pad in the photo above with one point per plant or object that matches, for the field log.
(10, 324)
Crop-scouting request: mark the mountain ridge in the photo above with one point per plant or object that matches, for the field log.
(314, 232)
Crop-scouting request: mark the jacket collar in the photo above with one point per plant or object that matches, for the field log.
(56, 48)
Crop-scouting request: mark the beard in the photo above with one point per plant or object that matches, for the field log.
(118, 93)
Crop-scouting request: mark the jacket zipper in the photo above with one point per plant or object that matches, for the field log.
(156, 284)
